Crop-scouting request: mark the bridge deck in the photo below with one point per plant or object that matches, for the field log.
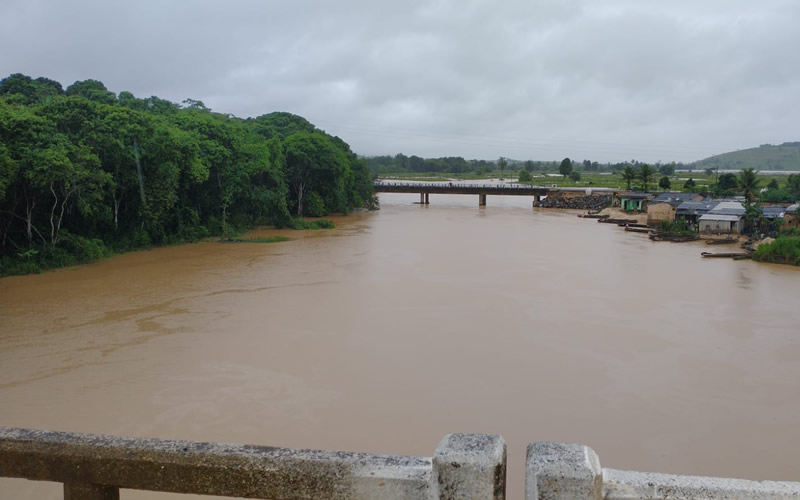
(479, 189)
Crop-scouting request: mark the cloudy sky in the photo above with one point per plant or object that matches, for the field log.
(606, 80)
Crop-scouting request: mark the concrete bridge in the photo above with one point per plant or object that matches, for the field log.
(463, 466)
(482, 190)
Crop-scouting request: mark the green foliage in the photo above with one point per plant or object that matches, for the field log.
(300, 223)
(502, 163)
(689, 184)
(748, 182)
(664, 183)
(784, 250)
(778, 196)
(676, 227)
(84, 171)
(575, 176)
(726, 185)
(645, 173)
(628, 174)
(565, 168)
(525, 176)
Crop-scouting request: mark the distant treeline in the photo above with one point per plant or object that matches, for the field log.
(400, 163)
(84, 172)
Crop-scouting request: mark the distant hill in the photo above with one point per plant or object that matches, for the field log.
(765, 157)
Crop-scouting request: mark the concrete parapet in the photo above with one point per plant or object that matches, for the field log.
(558, 471)
(561, 471)
(623, 485)
(95, 467)
(470, 466)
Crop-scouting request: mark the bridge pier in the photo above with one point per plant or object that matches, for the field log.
(536, 200)
(424, 198)
(427, 198)
(481, 200)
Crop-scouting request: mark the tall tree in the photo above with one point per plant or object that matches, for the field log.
(748, 182)
(502, 163)
(646, 172)
(565, 168)
(628, 174)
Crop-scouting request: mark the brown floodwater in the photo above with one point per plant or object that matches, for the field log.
(402, 325)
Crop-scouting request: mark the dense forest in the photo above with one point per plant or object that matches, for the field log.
(85, 172)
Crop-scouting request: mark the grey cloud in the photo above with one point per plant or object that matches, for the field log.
(540, 79)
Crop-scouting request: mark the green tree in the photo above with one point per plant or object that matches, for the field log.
(575, 176)
(529, 166)
(748, 182)
(689, 184)
(502, 163)
(311, 163)
(628, 174)
(726, 185)
(646, 172)
(664, 183)
(565, 168)
(525, 176)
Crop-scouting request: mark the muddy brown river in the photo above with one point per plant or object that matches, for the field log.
(402, 325)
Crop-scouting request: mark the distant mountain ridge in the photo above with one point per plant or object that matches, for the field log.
(785, 156)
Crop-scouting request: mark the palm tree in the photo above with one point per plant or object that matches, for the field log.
(502, 163)
(628, 175)
(748, 182)
(646, 172)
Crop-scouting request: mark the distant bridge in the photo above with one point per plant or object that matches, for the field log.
(482, 190)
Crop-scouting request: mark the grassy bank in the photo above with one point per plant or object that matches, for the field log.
(784, 250)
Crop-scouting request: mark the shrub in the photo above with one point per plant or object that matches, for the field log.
(784, 250)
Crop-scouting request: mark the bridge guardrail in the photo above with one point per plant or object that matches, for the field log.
(95, 467)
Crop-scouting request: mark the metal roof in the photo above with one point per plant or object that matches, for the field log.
(673, 198)
(728, 208)
(696, 207)
(730, 218)
(773, 212)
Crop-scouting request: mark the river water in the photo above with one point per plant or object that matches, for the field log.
(405, 324)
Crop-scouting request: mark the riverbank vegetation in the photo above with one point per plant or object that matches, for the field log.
(784, 250)
(85, 173)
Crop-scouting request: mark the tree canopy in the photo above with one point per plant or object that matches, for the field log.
(84, 171)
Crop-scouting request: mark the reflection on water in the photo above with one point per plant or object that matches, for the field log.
(406, 324)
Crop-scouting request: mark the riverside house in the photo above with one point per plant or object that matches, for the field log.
(665, 206)
(725, 217)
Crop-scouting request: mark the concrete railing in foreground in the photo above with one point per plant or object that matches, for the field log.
(95, 467)
(558, 471)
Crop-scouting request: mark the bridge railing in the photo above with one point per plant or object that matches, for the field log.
(559, 471)
(96, 467)
(473, 466)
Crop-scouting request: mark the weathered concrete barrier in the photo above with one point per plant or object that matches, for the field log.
(558, 471)
(95, 467)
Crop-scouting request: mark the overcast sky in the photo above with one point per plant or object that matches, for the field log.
(606, 80)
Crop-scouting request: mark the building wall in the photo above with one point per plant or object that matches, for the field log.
(791, 219)
(721, 226)
(660, 212)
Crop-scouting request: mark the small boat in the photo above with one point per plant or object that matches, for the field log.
(728, 255)
(635, 229)
(724, 241)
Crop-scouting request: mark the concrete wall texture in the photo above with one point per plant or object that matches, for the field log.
(463, 467)
(560, 471)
